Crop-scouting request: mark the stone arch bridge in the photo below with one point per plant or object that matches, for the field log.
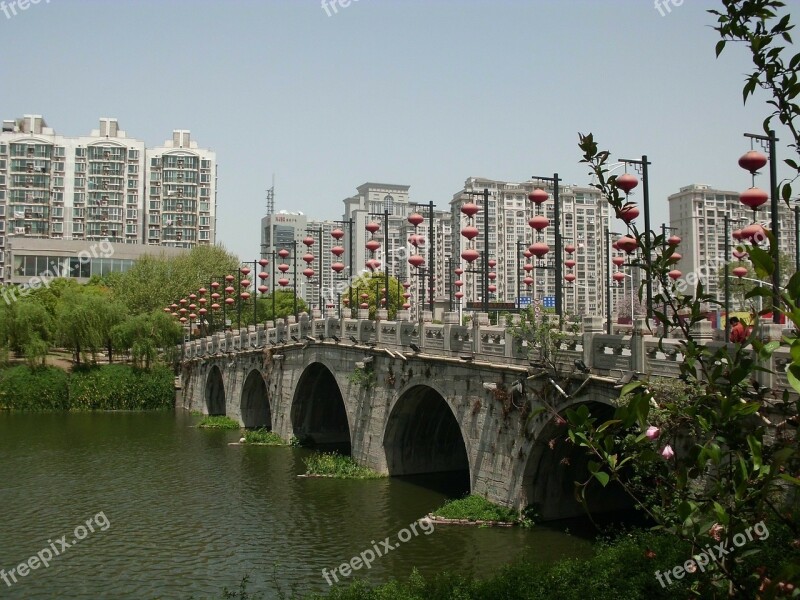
(408, 398)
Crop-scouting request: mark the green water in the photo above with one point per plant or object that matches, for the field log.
(190, 514)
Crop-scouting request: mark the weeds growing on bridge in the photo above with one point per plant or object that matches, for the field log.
(263, 437)
(477, 508)
(332, 464)
(218, 422)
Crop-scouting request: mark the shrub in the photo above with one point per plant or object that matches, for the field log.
(264, 437)
(43, 388)
(476, 508)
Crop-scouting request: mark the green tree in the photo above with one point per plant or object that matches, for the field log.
(144, 335)
(85, 318)
(373, 284)
(154, 282)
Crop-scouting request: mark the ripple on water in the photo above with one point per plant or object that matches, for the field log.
(190, 514)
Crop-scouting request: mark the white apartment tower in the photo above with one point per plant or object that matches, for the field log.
(370, 204)
(584, 219)
(103, 186)
(697, 214)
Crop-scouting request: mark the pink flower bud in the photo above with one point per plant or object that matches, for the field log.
(652, 433)
(667, 452)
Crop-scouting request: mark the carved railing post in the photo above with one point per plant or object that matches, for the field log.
(592, 326)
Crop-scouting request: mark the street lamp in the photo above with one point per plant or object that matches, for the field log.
(752, 161)
(471, 232)
(627, 182)
(373, 245)
(537, 197)
(318, 231)
(431, 241)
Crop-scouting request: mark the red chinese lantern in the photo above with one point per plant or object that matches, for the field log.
(415, 219)
(739, 271)
(263, 262)
(283, 282)
(459, 295)
(618, 260)
(214, 285)
(539, 249)
(229, 301)
(629, 212)
(283, 253)
(626, 182)
(570, 277)
(618, 276)
(470, 232)
(470, 209)
(569, 249)
(675, 274)
(752, 161)
(539, 222)
(308, 273)
(372, 227)
(262, 289)
(492, 288)
(308, 241)
(283, 267)
(458, 283)
(229, 278)
(528, 281)
(373, 245)
(245, 283)
(459, 271)
(416, 260)
(337, 234)
(753, 197)
(263, 275)
(528, 266)
(492, 263)
(470, 255)
(337, 250)
(245, 271)
(538, 196)
(627, 244)
(674, 240)
(569, 263)
(338, 267)
(309, 258)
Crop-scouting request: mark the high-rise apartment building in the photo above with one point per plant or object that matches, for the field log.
(697, 214)
(379, 202)
(584, 219)
(103, 187)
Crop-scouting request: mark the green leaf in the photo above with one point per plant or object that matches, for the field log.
(602, 477)
(720, 47)
(793, 375)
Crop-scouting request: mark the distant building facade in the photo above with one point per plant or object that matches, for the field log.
(103, 187)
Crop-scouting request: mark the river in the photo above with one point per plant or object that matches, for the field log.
(179, 512)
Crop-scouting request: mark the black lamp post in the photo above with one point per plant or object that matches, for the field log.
(349, 224)
(429, 206)
(608, 280)
(641, 167)
(318, 231)
(385, 216)
(770, 142)
(484, 271)
(557, 225)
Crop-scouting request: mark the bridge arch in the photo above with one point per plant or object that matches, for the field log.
(215, 392)
(318, 412)
(255, 409)
(423, 435)
(555, 464)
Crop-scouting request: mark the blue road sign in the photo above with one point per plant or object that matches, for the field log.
(523, 301)
(549, 301)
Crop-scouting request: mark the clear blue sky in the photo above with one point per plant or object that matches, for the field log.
(418, 92)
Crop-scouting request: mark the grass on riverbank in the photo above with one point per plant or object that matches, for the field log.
(331, 464)
(106, 387)
(218, 422)
(263, 437)
(476, 508)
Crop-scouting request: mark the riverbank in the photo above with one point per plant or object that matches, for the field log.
(104, 387)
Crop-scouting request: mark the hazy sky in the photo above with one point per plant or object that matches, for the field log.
(418, 92)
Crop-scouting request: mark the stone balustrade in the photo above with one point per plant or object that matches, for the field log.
(633, 349)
